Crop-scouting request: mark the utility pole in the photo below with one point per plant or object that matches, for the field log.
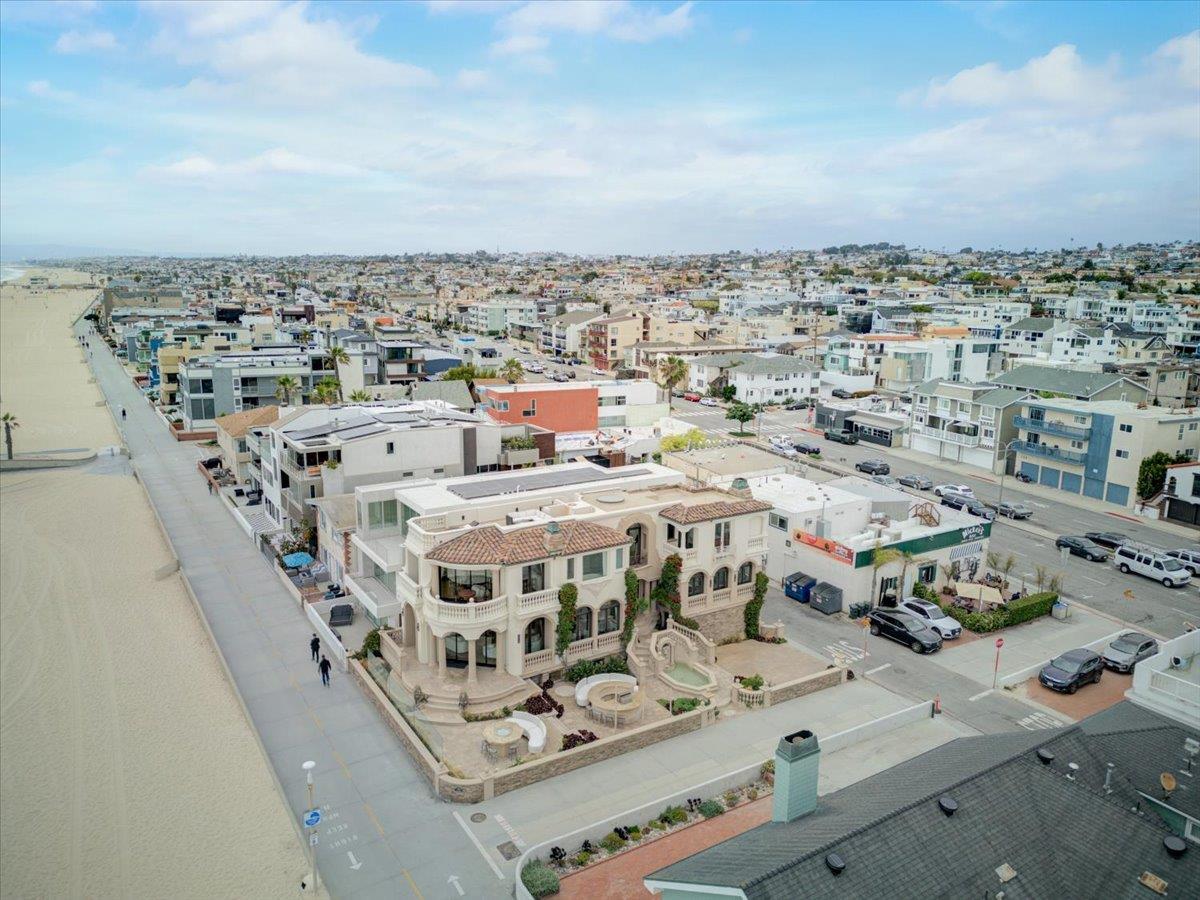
(311, 815)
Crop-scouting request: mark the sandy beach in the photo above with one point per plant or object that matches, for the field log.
(127, 768)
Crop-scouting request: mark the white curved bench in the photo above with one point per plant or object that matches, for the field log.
(534, 728)
(582, 687)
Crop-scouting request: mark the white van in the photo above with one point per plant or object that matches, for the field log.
(1151, 564)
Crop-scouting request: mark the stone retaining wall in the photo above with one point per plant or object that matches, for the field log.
(430, 767)
(809, 684)
(723, 624)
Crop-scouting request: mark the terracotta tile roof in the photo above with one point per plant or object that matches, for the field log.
(489, 546)
(237, 424)
(685, 514)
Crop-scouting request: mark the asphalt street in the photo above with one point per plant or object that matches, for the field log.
(1153, 607)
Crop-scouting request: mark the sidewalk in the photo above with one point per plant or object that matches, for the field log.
(366, 785)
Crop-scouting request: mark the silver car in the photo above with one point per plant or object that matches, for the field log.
(1128, 650)
(913, 480)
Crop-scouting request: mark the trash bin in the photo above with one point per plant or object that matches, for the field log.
(1061, 610)
(826, 598)
(798, 586)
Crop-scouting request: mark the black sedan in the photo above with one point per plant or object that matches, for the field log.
(1072, 670)
(968, 505)
(913, 480)
(873, 467)
(1082, 546)
(1108, 539)
(906, 629)
(810, 449)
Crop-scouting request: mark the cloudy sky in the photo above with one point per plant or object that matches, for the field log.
(281, 127)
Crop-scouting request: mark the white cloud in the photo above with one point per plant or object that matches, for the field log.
(85, 41)
(278, 51)
(46, 91)
(469, 6)
(277, 161)
(1182, 55)
(528, 28)
(472, 79)
(1060, 78)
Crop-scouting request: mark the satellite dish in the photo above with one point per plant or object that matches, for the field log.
(1167, 780)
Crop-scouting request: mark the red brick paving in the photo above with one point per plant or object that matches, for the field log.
(620, 877)
(1087, 700)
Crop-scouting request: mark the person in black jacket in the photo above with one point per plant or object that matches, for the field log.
(324, 666)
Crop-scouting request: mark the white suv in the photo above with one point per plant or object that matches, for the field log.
(1151, 564)
(1189, 558)
(931, 614)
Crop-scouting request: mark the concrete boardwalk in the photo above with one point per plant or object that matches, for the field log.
(384, 834)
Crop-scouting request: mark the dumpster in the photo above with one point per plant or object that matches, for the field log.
(826, 598)
(798, 586)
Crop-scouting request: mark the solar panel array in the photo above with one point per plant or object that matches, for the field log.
(534, 481)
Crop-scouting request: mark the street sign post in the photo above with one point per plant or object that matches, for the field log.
(312, 818)
(996, 667)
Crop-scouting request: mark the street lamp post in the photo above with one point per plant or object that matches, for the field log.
(312, 848)
(1005, 449)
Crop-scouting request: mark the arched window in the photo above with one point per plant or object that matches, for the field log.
(696, 584)
(535, 636)
(583, 623)
(745, 572)
(609, 617)
(636, 552)
(721, 578)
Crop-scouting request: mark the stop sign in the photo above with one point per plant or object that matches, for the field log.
(999, 643)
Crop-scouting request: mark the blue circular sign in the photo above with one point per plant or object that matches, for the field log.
(312, 818)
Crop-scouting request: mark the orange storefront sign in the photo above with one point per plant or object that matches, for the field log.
(840, 552)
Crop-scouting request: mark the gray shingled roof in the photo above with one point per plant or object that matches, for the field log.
(1058, 380)
(1032, 323)
(453, 392)
(774, 365)
(1063, 838)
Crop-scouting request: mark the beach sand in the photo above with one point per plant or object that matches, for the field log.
(127, 768)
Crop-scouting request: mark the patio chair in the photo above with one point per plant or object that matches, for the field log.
(342, 614)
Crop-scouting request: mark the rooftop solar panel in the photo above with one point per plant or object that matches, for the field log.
(535, 481)
(361, 431)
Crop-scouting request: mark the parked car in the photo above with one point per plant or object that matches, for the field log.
(931, 614)
(799, 404)
(1081, 546)
(904, 628)
(913, 480)
(842, 437)
(559, 376)
(967, 504)
(571, 374)
(885, 480)
(805, 447)
(1189, 559)
(1013, 510)
(1110, 540)
(1128, 650)
(599, 372)
(873, 467)
(1152, 564)
(1071, 671)
(841, 393)
(692, 397)
(709, 401)
(963, 489)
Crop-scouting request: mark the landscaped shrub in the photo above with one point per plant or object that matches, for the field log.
(767, 768)
(586, 668)
(753, 682)
(1032, 607)
(578, 739)
(612, 842)
(673, 815)
(656, 824)
(581, 858)
(754, 607)
(567, 595)
(633, 606)
(541, 704)
(539, 879)
(980, 623)
(921, 592)
(711, 808)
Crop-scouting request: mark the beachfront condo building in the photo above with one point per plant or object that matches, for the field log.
(472, 569)
(324, 451)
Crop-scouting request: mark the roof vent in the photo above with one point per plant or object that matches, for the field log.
(835, 863)
(1074, 767)
(1175, 845)
(1045, 757)
(948, 805)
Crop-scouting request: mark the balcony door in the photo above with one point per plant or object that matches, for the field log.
(457, 652)
(485, 650)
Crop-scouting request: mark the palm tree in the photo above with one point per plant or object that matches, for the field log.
(340, 357)
(512, 371)
(328, 390)
(286, 387)
(1008, 564)
(359, 396)
(907, 558)
(880, 557)
(671, 371)
(1040, 576)
(10, 422)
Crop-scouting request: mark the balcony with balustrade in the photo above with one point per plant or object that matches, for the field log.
(950, 437)
(1058, 428)
(1047, 452)
(453, 615)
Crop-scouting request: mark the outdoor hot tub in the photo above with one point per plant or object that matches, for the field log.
(689, 679)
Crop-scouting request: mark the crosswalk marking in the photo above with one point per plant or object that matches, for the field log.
(1039, 720)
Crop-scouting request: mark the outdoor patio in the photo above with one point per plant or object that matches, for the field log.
(777, 663)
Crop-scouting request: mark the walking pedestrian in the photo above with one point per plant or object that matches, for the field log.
(122, 414)
(324, 666)
(315, 646)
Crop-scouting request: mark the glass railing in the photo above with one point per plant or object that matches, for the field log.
(1069, 456)
(1041, 425)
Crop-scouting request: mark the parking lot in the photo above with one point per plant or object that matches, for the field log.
(1089, 699)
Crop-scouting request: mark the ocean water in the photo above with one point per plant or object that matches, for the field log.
(7, 273)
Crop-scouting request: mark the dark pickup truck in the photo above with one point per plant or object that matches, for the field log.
(842, 437)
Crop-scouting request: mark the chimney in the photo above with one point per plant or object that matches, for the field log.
(797, 763)
(555, 541)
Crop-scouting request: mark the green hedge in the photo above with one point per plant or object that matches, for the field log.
(539, 879)
(1032, 607)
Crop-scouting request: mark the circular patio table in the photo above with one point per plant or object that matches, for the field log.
(616, 699)
(502, 737)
